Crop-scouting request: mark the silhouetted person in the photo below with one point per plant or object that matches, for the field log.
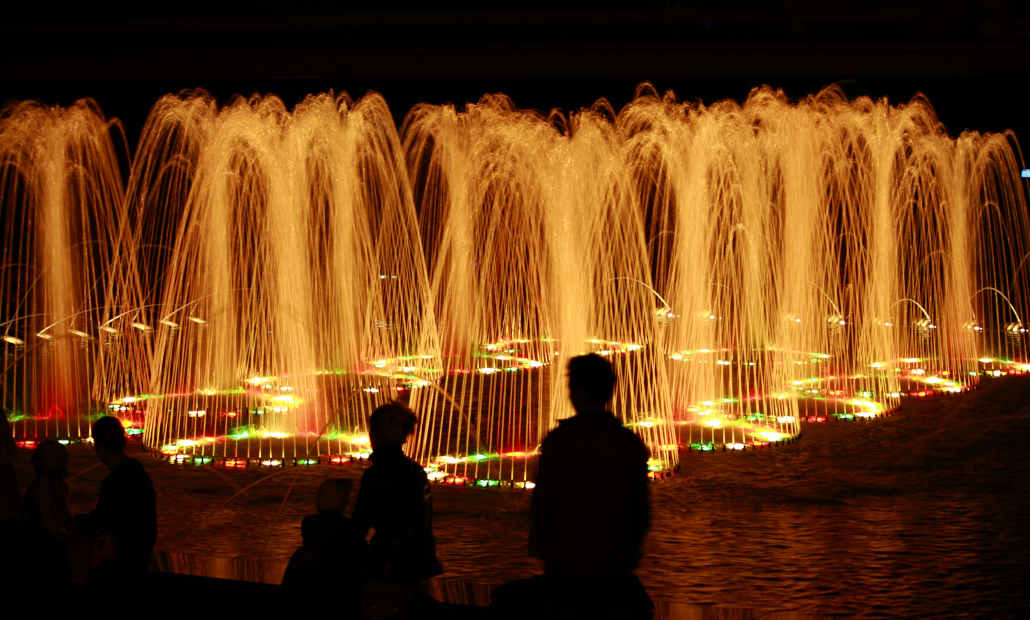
(126, 514)
(589, 510)
(10, 500)
(334, 555)
(395, 501)
(48, 522)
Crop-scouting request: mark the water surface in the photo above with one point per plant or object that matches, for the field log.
(923, 512)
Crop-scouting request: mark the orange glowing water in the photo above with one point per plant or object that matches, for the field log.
(265, 276)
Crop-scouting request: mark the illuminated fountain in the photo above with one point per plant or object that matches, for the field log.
(61, 195)
(268, 276)
(292, 262)
(536, 252)
(829, 245)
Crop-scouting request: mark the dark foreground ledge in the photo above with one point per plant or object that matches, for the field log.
(190, 587)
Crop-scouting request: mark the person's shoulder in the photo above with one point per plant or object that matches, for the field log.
(634, 442)
(414, 469)
(132, 466)
(560, 433)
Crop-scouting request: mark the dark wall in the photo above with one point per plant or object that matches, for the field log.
(970, 61)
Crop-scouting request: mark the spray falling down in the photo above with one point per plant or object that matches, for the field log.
(265, 277)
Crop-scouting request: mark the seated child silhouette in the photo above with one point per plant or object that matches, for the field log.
(334, 555)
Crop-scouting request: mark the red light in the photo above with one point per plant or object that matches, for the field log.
(230, 414)
(338, 460)
(28, 444)
(235, 463)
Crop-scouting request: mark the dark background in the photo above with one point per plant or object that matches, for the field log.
(970, 60)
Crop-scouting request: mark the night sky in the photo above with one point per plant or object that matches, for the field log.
(971, 62)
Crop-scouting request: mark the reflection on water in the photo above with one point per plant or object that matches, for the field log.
(924, 512)
(446, 589)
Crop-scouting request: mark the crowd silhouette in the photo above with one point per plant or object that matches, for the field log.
(589, 514)
(112, 545)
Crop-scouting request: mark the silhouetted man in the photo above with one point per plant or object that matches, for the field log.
(590, 505)
(395, 501)
(126, 512)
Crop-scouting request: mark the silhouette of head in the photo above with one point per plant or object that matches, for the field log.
(591, 382)
(50, 459)
(333, 495)
(390, 425)
(6, 439)
(109, 438)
